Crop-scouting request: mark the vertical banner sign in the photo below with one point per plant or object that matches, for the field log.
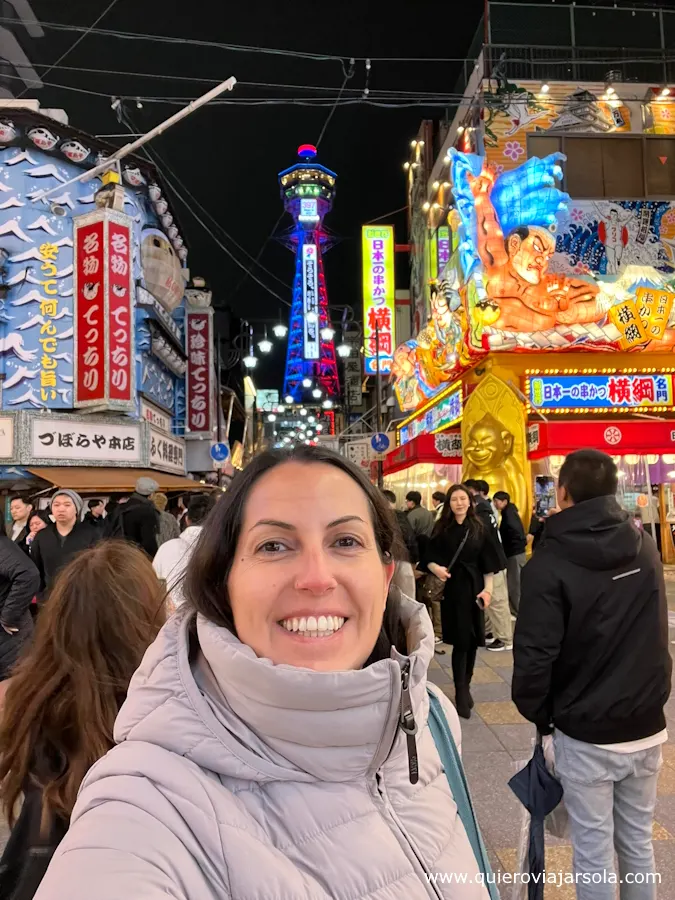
(120, 359)
(310, 299)
(443, 250)
(199, 340)
(89, 317)
(103, 311)
(378, 296)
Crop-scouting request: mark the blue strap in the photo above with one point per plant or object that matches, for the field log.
(454, 772)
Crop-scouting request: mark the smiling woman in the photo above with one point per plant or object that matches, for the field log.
(275, 741)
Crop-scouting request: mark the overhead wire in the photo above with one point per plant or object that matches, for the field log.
(76, 43)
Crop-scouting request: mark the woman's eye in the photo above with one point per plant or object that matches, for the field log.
(347, 543)
(272, 547)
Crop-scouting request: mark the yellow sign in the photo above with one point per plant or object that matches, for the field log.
(654, 308)
(379, 303)
(625, 316)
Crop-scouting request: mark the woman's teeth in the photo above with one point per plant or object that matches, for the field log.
(311, 626)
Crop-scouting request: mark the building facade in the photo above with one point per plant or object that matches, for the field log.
(93, 353)
(544, 262)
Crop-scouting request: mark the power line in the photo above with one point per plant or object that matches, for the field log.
(76, 42)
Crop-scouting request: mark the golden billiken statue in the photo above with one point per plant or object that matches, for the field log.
(488, 455)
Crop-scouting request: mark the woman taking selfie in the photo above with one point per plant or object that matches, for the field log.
(274, 742)
(61, 704)
(462, 555)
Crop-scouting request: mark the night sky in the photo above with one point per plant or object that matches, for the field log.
(228, 156)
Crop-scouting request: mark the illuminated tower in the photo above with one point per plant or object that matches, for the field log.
(307, 190)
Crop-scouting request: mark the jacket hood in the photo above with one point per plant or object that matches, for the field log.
(202, 694)
(596, 534)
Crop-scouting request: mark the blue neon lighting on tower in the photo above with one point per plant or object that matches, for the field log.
(307, 190)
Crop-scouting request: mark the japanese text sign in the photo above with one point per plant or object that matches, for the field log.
(199, 340)
(310, 301)
(103, 311)
(654, 309)
(625, 316)
(85, 441)
(443, 251)
(167, 452)
(601, 391)
(446, 412)
(379, 305)
(49, 311)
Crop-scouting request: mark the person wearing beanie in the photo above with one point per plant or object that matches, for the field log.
(137, 521)
(55, 545)
(169, 529)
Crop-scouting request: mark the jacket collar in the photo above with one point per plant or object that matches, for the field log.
(248, 718)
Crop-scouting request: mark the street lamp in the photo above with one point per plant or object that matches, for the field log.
(271, 418)
(316, 393)
(343, 350)
(280, 330)
(265, 346)
(307, 382)
(250, 361)
(303, 411)
(289, 400)
(327, 404)
(328, 333)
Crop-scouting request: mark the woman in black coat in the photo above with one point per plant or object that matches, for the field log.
(462, 554)
(19, 583)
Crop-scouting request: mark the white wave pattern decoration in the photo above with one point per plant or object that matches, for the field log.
(63, 200)
(64, 314)
(64, 273)
(68, 293)
(20, 277)
(13, 201)
(13, 227)
(30, 323)
(64, 394)
(29, 397)
(68, 379)
(66, 357)
(49, 171)
(24, 156)
(14, 342)
(88, 198)
(18, 376)
(62, 335)
(30, 297)
(42, 223)
(33, 253)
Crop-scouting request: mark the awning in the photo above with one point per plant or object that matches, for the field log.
(91, 479)
(616, 437)
(442, 449)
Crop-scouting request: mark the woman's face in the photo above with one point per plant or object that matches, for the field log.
(36, 524)
(460, 503)
(308, 587)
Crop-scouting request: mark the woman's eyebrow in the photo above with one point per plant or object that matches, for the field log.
(276, 523)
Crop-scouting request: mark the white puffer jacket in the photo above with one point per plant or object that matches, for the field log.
(236, 778)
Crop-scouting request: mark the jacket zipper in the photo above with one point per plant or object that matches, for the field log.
(408, 724)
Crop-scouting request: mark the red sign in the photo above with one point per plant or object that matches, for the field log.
(89, 321)
(199, 343)
(119, 311)
(615, 437)
(103, 352)
(442, 449)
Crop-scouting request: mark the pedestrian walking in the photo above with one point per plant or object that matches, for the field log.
(95, 516)
(54, 546)
(37, 520)
(276, 736)
(514, 542)
(172, 557)
(19, 582)
(407, 534)
(168, 524)
(137, 520)
(20, 510)
(421, 519)
(591, 661)
(438, 499)
(61, 705)
(498, 624)
(463, 556)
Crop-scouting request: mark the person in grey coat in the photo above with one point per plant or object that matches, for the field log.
(261, 751)
(19, 583)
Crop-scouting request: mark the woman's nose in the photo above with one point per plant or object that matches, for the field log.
(314, 574)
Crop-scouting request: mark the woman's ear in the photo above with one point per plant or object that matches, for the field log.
(389, 569)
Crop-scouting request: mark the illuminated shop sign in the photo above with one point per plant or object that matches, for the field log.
(600, 391)
(310, 301)
(379, 301)
(443, 414)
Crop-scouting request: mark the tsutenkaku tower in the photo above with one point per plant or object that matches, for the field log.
(307, 190)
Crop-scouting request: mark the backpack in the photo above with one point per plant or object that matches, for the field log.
(114, 526)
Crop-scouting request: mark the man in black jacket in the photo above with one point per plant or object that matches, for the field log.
(497, 617)
(514, 542)
(19, 583)
(591, 660)
(55, 545)
(137, 520)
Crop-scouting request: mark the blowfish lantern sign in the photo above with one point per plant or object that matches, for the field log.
(379, 308)
(199, 340)
(103, 357)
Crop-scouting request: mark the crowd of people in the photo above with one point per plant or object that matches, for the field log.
(278, 729)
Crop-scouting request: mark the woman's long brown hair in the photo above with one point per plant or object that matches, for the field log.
(61, 703)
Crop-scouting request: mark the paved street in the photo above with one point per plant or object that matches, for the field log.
(497, 738)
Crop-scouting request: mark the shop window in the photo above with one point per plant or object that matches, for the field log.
(542, 145)
(660, 166)
(583, 169)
